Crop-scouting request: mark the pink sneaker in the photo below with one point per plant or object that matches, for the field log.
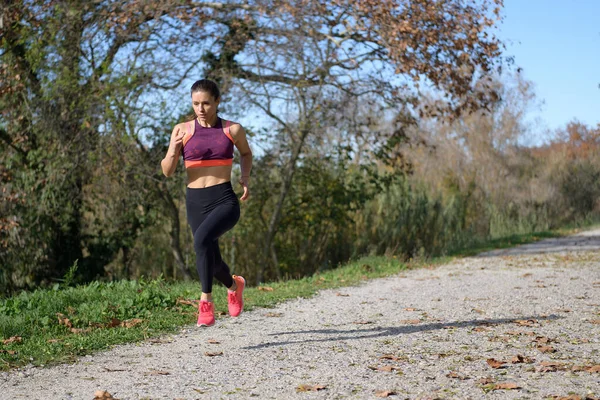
(206, 313)
(235, 299)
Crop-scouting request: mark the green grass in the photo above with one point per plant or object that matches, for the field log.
(34, 316)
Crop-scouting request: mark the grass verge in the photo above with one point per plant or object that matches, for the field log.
(57, 325)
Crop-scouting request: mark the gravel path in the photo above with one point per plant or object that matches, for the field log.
(424, 334)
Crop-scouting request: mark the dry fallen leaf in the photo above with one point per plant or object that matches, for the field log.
(411, 321)
(213, 341)
(593, 368)
(362, 322)
(213, 354)
(595, 321)
(492, 362)
(385, 368)
(411, 309)
(485, 381)
(310, 388)
(480, 329)
(103, 395)
(342, 294)
(193, 303)
(78, 331)
(456, 375)
(543, 339)
(62, 320)
(519, 359)
(506, 386)
(384, 393)
(551, 366)
(130, 323)
(389, 357)
(525, 322)
(14, 339)
(265, 288)
(113, 323)
(546, 349)
(157, 372)
(273, 314)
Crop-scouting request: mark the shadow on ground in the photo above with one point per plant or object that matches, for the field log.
(334, 335)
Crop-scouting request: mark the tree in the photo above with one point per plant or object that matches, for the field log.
(70, 71)
(80, 77)
(290, 60)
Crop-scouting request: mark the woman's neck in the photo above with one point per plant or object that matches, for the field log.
(208, 123)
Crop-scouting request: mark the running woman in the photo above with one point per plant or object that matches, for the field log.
(206, 144)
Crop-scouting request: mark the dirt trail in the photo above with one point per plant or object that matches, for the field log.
(424, 334)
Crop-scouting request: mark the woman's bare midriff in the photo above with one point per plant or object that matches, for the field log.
(204, 177)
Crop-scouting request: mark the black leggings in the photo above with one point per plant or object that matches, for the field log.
(211, 212)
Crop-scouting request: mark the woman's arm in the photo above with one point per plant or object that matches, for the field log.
(239, 139)
(169, 163)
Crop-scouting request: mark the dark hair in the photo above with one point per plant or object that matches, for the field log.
(208, 86)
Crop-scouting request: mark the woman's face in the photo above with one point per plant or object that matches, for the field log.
(205, 106)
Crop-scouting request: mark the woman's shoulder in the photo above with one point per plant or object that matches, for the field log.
(183, 125)
(229, 122)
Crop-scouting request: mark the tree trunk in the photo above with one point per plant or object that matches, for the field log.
(175, 244)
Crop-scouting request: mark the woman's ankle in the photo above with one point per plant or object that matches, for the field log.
(206, 297)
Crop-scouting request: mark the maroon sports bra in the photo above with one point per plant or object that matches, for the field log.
(207, 146)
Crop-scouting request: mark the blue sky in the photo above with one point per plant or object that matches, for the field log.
(557, 43)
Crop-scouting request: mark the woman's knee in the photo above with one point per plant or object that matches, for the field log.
(202, 241)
